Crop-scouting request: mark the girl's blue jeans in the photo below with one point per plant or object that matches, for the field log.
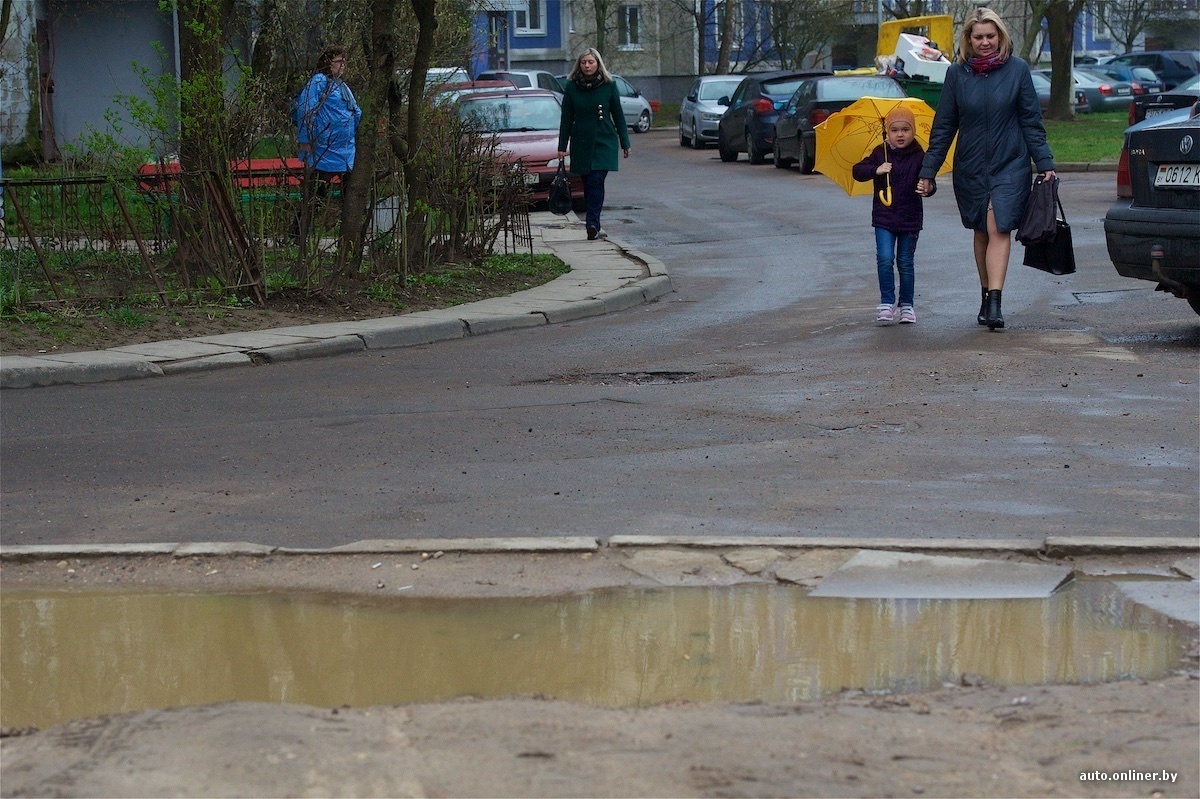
(593, 196)
(899, 249)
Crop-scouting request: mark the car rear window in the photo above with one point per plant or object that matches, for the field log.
(853, 88)
(782, 88)
(1143, 73)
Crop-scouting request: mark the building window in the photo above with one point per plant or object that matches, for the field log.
(723, 6)
(1100, 29)
(629, 28)
(529, 18)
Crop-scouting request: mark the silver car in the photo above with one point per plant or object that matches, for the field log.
(639, 114)
(700, 110)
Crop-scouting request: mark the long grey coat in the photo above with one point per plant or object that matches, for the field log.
(999, 125)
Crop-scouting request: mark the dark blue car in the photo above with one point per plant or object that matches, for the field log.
(748, 124)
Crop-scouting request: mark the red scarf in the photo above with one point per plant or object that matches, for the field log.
(981, 64)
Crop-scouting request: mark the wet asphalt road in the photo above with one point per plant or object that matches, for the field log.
(757, 399)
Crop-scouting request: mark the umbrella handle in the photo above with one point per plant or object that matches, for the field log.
(885, 196)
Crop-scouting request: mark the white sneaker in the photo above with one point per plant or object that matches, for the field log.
(885, 313)
(907, 315)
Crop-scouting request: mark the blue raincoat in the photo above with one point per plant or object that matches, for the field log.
(327, 116)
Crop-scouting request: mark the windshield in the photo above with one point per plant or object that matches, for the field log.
(717, 89)
(511, 113)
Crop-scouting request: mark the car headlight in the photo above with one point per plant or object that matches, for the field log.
(708, 116)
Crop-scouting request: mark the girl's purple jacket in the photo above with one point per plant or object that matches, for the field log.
(906, 214)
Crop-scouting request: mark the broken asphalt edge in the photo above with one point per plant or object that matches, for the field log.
(606, 277)
(1053, 546)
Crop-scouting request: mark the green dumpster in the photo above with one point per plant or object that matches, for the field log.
(923, 88)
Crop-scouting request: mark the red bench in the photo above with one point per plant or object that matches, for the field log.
(253, 173)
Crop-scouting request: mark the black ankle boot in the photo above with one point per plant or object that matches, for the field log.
(982, 318)
(994, 318)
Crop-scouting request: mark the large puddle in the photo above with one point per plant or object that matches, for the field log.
(70, 655)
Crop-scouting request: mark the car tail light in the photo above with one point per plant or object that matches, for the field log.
(1133, 113)
(817, 116)
(762, 106)
(1124, 183)
(1136, 88)
(1104, 88)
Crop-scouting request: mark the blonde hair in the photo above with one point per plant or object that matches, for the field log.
(974, 18)
(594, 53)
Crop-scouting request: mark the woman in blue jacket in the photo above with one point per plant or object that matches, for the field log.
(328, 116)
(988, 99)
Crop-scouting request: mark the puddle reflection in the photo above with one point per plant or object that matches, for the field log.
(70, 655)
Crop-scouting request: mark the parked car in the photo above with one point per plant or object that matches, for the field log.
(639, 115)
(524, 78)
(701, 109)
(1103, 93)
(748, 124)
(812, 103)
(448, 93)
(1143, 76)
(1152, 105)
(1153, 235)
(1041, 83)
(525, 123)
(1173, 67)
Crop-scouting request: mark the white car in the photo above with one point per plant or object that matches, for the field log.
(524, 79)
(700, 110)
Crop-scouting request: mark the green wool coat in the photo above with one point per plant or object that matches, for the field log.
(594, 126)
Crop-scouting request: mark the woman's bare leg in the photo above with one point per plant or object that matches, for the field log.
(999, 247)
(981, 243)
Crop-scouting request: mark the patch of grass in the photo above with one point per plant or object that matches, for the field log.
(667, 116)
(128, 318)
(1091, 138)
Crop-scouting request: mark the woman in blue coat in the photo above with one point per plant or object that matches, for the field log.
(988, 99)
(593, 125)
(327, 116)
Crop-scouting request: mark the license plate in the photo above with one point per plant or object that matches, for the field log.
(530, 178)
(1178, 176)
(1153, 112)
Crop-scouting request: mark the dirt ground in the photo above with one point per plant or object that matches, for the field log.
(957, 740)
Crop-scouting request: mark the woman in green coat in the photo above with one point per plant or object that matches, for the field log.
(593, 125)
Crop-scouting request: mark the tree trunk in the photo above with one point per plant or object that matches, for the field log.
(725, 46)
(202, 243)
(356, 193)
(1060, 28)
(415, 190)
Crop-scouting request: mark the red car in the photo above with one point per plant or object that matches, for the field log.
(525, 122)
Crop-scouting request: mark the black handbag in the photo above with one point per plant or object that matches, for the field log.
(1037, 225)
(560, 192)
(1055, 254)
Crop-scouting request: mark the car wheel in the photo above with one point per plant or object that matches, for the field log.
(1194, 301)
(643, 123)
(752, 152)
(727, 155)
(684, 141)
(696, 143)
(779, 161)
(807, 161)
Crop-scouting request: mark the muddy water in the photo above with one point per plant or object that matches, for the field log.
(70, 655)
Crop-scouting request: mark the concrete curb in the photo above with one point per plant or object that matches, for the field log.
(606, 277)
(1055, 546)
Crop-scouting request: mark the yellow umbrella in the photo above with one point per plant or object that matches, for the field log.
(848, 136)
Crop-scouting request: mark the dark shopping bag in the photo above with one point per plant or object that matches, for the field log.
(560, 192)
(1054, 252)
(1038, 224)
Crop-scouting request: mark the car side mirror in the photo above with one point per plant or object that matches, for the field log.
(691, 98)
(723, 101)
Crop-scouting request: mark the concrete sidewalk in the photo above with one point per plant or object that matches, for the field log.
(605, 276)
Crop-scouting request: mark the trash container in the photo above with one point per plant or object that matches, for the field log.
(927, 90)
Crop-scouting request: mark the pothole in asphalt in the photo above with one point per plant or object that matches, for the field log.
(66, 655)
(635, 378)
